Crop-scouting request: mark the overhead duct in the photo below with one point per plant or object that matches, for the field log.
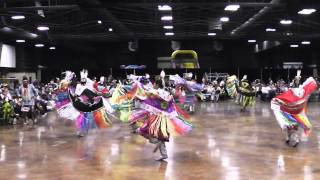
(254, 18)
(40, 12)
(3, 19)
(215, 24)
(7, 30)
(265, 45)
(18, 33)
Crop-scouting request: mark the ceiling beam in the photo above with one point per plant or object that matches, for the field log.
(96, 8)
(35, 8)
(254, 18)
(193, 4)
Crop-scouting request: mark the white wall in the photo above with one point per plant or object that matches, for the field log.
(19, 75)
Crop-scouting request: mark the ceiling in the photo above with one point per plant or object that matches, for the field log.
(141, 19)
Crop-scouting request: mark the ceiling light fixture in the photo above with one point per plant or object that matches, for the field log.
(18, 17)
(294, 45)
(99, 22)
(305, 42)
(169, 33)
(224, 19)
(110, 29)
(52, 48)
(168, 27)
(289, 33)
(164, 8)
(270, 30)
(43, 28)
(39, 45)
(286, 21)
(307, 11)
(166, 18)
(212, 34)
(20, 41)
(252, 41)
(232, 7)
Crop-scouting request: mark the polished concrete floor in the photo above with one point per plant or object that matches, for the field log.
(225, 144)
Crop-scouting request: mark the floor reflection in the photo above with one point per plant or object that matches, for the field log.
(225, 144)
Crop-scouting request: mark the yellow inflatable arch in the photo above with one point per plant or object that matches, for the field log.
(188, 63)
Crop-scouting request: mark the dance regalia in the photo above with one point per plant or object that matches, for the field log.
(247, 93)
(231, 86)
(121, 103)
(101, 89)
(290, 107)
(185, 92)
(159, 116)
(82, 106)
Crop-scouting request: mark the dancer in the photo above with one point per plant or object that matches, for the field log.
(101, 88)
(185, 92)
(121, 103)
(290, 111)
(159, 116)
(239, 97)
(7, 107)
(247, 94)
(231, 86)
(81, 104)
(216, 92)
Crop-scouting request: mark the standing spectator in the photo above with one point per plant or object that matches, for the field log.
(28, 93)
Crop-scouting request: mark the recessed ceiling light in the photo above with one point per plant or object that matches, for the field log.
(18, 17)
(99, 22)
(286, 21)
(289, 33)
(232, 7)
(166, 18)
(39, 45)
(252, 41)
(224, 19)
(305, 42)
(307, 11)
(110, 29)
(164, 8)
(169, 33)
(20, 41)
(52, 48)
(168, 27)
(212, 34)
(43, 28)
(270, 30)
(294, 45)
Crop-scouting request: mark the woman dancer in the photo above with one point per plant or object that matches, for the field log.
(158, 118)
(290, 111)
(81, 104)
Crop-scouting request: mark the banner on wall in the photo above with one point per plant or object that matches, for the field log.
(292, 65)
